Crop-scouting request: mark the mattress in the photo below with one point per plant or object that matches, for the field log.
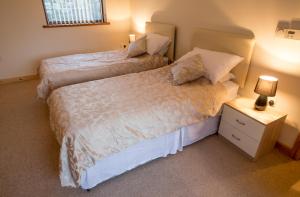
(67, 70)
(148, 150)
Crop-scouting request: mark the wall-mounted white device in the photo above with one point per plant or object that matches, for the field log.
(288, 33)
(289, 29)
(292, 34)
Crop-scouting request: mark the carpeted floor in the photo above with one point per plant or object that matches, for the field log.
(211, 167)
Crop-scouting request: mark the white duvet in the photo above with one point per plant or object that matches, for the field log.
(67, 70)
(96, 119)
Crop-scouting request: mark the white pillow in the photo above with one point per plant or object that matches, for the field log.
(187, 70)
(156, 42)
(164, 49)
(227, 77)
(137, 47)
(218, 64)
(187, 55)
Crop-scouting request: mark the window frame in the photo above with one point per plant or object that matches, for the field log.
(103, 22)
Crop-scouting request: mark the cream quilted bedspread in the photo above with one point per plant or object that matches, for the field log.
(96, 119)
(73, 69)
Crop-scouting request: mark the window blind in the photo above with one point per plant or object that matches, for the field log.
(68, 12)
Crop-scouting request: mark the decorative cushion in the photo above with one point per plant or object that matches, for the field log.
(187, 70)
(137, 47)
(156, 42)
(164, 49)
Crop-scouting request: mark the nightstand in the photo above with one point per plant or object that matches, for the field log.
(254, 132)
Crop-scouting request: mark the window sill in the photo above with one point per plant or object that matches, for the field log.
(75, 25)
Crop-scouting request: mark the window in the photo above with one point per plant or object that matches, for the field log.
(73, 12)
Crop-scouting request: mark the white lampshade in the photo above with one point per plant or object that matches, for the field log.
(266, 85)
(131, 38)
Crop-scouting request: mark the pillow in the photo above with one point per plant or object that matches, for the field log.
(187, 70)
(164, 49)
(227, 77)
(218, 64)
(187, 55)
(137, 47)
(156, 42)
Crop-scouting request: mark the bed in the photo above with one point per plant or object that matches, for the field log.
(109, 126)
(72, 69)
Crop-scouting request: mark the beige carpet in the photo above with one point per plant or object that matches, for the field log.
(211, 167)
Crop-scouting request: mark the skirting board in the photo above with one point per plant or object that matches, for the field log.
(293, 152)
(18, 79)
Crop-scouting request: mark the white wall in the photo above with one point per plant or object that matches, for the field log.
(272, 55)
(24, 42)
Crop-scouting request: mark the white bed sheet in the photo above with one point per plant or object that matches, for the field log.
(148, 150)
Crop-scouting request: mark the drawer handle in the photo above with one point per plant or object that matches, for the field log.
(238, 139)
(240, 122)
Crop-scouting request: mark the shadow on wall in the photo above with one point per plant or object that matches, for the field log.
(196, 17)
(209, 15)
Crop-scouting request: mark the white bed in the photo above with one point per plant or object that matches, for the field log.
(154, 148)
(181, 115)
(72, 69)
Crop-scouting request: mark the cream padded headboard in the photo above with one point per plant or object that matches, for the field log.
(234, 43)
(166, 30)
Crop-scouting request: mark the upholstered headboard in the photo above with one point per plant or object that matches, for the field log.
(234, 43)
(166, 30)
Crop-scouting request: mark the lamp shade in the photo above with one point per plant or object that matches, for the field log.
(131, 38)
(266, 86)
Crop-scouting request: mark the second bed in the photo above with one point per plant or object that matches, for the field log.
(72, 69)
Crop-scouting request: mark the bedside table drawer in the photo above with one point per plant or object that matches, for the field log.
(243, 123)
(238, 138)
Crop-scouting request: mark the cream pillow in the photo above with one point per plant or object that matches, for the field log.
(156, 42)
(137, 47)
(187, 55)
(164, 49)
(187, 70)
(217, 64)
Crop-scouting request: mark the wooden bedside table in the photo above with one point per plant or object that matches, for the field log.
(254, 132)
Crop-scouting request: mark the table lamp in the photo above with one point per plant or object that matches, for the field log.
(265, 86)
(131, 38)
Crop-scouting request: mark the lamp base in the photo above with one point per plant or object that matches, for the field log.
(261, 103)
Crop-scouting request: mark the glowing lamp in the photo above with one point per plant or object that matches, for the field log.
(131, 38)
(265, 86)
